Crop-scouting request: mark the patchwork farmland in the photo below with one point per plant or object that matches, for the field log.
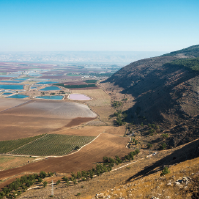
(62, 136)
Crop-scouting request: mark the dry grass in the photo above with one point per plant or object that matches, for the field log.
(8, 162)
(160, 187)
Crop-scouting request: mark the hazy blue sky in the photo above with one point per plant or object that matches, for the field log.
(98, 25)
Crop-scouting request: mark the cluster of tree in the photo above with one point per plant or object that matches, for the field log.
(191, 63)
(20, 185)
(107, 165)
(120, 118)
(152, 128)
(116, 104)
(135, 141)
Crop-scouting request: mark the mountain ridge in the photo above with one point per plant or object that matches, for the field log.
(164, 93)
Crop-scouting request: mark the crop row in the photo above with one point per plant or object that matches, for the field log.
(53, 144)
(7, 146)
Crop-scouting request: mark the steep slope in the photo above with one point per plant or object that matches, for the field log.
(165, 90)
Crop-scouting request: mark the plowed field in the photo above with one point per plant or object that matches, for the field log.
(21, 119)
(104, 145)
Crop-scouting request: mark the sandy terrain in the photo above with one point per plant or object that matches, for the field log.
(104, 145)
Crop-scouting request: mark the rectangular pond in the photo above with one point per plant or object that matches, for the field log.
(12, 81)
(7, 93)
(47, 82)
(19, 96)
(51, 97)
(50, 88)
(11, 87)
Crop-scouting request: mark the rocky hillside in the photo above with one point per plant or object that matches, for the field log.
(165, 90)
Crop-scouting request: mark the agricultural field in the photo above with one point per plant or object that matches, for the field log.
(105, 145)
(99, 97)
(53, 145)
(76, 86)
(52, 109)
(8, 162)
(9, 103)
(39, 117)
(100, 103)
(8, 146)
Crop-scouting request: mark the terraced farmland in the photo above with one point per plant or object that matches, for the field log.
(53, 144)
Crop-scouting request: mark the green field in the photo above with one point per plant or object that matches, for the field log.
(91, 81)
(53, 144)
(7, 146)
(76, 86)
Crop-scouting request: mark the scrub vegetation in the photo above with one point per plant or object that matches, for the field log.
(190, 63)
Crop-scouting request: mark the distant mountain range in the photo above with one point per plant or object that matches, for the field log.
(166, 91)
(91, 57)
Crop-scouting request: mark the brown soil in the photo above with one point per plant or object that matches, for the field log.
(83, 130)
(85, 159)
(21, 119)
(78, 121)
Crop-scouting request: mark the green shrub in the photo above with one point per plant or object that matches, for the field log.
(164, 135)
(136, 142)
(39, 179)
(58, 181)
(45, 183)
(163, 146)
(65, 179)
(50, 174)
(165, 171)
(84, 174)
(42, 174)
(79, 175)
(149, 145)
(73, 175)
(105, 159)
(137, 151)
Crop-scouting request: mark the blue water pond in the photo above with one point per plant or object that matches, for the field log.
(47, 82)
(11, 81)
(52, 97)
(50, 88)
(19, 96)
(12, 87)
(6, 93)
